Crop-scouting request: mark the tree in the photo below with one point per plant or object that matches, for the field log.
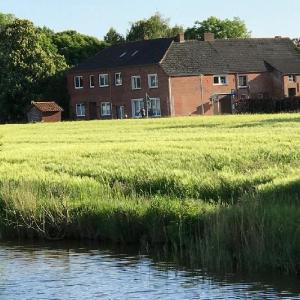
(5, 19)
(28, 62)
(223, 29)
(154, 27)
(76, 47)
(113, 37)
(297, 43)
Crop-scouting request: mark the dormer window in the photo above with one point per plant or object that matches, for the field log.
(78, 82)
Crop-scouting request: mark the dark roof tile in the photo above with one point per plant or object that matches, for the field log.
(232, 55)
(47, 106)
(128, 54)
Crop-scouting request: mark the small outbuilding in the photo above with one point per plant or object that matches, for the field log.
(44, 112)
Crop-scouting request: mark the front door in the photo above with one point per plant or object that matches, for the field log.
(92, 110)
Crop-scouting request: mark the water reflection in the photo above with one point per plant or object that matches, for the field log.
(76, 271)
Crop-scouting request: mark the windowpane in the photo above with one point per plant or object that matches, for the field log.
(80, 110)
(103, 80)
(220, 80)
(78, 82)
(105, 108)
(153, 81)
(242, 81)
(223, 79)
(154, 109)
(92, 81)
(118, 79)
(136, 82)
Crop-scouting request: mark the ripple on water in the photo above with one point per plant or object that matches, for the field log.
(70, 272)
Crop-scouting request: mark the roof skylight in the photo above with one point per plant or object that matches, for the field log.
(134, 53)
(123, 54)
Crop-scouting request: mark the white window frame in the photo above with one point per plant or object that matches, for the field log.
(133, 78)
(80, 77)
(219, 80)
(104, 75)
(121, 79)
(110, 109)
(156, 99)
(292, 78)
(243, 86)
(80, 112)
(92, 86)
(149, 81)
(133, 107)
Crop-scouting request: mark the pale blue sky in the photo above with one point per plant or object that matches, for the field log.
(265, 18)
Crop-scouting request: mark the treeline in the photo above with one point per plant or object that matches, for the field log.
(34, 60)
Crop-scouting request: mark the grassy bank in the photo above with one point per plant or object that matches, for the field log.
(222, 191)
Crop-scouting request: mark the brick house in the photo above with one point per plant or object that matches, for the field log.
(180, 78)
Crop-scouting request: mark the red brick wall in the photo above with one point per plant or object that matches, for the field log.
(119, 95)
(51, 116)
(192, 95)
(289, 84)
(179, 96)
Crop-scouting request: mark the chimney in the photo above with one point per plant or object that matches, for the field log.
(209, 37)
(180, 38)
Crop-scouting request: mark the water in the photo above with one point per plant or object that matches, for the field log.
(91, 272)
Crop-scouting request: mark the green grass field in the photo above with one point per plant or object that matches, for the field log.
(222, 191)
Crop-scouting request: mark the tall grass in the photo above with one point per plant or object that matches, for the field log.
(221, 191)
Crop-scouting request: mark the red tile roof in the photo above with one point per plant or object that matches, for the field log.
(47, 106)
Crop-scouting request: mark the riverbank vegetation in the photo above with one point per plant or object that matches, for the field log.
(221, 191)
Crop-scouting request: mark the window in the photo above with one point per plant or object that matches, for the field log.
(118, 79)
(105, 109)
(243, 81)
(80, 110)
(136, 82)
(78, 82)
(137, 106)
(92, 81)
(135, 52)
(123, 54)
(220, 80)
(152, 81)
(103, 80)
(154, 108)
(292, 78)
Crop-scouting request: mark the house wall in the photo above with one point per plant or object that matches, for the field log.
(192, 95)
(49, 117)
(118, 95)
(289, 84)
(34, 115)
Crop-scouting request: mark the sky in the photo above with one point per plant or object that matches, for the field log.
(264, 18)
